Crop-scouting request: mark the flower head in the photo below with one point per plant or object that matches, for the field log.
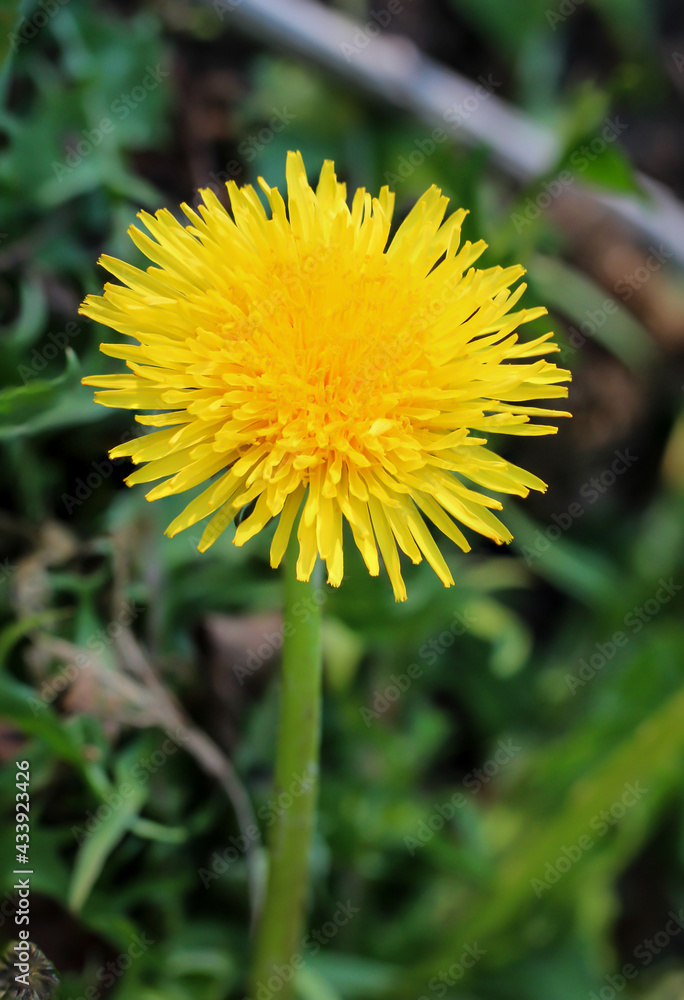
(317, 370)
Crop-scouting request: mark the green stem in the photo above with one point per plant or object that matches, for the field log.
(279, 934)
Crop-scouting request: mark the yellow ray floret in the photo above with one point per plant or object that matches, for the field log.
(304, 362)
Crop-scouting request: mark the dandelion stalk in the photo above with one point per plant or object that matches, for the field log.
(296, 780)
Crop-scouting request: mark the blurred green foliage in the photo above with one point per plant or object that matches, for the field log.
(440, 844)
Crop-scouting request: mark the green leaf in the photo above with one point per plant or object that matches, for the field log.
(11, 634)
(32, 314)
(150, 830)
(591, 143)
(125, 802)
(21, 705)
(21, 406)
(312, 986)
(511, 641)
(353, 975)
(611, 169)
(584, 574)
(342, 653)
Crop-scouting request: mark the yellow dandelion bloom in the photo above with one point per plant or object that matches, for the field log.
(311, 366)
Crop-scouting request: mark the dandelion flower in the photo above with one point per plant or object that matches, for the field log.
(303, 363)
